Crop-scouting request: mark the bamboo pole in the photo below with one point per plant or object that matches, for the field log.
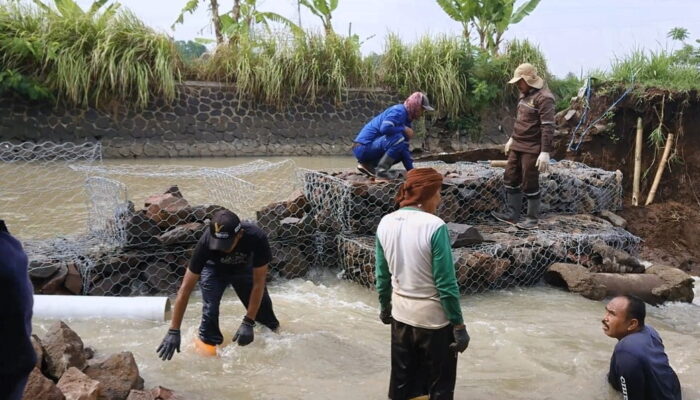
(637, 164)
(660, 170)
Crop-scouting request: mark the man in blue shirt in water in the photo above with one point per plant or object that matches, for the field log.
(383, 141)
(639, 366)
(17, 357)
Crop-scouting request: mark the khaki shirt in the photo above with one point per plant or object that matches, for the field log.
(534, 124)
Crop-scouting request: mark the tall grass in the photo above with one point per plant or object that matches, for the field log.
(655, 69)
(278, 69)
(88, 59)
(432, 65)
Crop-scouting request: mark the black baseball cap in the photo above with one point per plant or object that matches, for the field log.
(223, 229)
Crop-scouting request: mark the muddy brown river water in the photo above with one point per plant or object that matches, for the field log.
(528, 343)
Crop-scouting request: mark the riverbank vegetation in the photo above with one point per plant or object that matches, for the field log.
(96, 56)
(105, 54)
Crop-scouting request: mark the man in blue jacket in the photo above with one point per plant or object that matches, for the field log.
(17, 357)
(384, 140)
(639, 366)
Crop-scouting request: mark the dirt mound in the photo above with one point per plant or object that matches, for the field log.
(671, 233)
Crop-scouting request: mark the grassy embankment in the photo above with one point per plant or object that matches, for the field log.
(96, 58)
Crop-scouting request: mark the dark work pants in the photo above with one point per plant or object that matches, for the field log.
(422, 362)
(521, 173)
(213, 283)
(12, 387)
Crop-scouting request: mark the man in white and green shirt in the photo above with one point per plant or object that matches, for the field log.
(418, 292)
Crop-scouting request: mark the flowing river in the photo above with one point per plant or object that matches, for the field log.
(528, 343)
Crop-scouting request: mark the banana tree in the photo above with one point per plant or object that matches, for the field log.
(245, 16)
(490, 19)
(462, 12)
(495, 17)
(71, 9)
(241, 20)
(322, 9)
(192, 5)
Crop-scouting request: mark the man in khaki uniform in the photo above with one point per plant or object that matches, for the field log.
(528, 148)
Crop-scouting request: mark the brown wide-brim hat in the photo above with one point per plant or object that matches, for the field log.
(528, 72)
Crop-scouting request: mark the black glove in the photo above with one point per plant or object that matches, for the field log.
(461, 340)
(244, 335)
(170, 343)
(385, 316)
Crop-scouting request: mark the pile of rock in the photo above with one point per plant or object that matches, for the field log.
(351, 203)
(500, 256)
(155, 244)
(66, 369)
(292, 232)
(50, 276)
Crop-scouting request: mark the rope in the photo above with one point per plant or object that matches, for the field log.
(587, 109)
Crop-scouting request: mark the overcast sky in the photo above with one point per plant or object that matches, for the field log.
(575, 35)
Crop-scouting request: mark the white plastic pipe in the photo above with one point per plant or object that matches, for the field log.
(83, 307)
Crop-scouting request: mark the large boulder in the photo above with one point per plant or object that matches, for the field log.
(167, 210)
(42, 269)
(64, 349)
(463, 235)
(75, 385)
(118, 374)
(141, 230)
(55, 281)
(187, 233)
(73, 282)
(40, 387)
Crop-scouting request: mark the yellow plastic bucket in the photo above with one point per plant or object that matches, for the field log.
(203, 349)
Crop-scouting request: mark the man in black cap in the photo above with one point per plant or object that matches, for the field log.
(228, 253)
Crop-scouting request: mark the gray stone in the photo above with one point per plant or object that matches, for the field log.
(42, 269)
(614, 218)
(187, 233)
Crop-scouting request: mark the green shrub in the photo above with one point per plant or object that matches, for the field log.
(655, 69)
(88, 58)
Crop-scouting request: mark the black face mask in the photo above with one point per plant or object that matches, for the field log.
(3, 227)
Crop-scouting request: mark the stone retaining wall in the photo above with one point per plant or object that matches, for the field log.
(207, 119)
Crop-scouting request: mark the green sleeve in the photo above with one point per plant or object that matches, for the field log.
(383, 276)
(444, 275)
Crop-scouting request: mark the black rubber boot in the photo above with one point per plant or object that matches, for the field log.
(533, 212)
(383, 173)
(366, 169)
(514, 200)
